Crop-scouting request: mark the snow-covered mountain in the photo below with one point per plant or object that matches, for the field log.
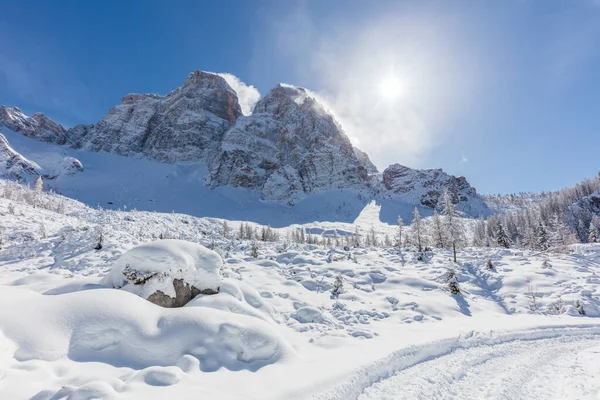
(288, 149)
(186, 125)
(427, 186)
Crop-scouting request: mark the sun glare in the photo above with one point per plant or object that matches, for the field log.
(390, 87)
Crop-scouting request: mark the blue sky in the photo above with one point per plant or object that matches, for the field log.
(503, 92)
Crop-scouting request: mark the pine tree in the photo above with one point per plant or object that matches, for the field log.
(417, 228)
(500, 234)
(453, 225)
(452, 281)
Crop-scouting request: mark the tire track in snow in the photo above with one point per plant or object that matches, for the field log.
(369, 375)
(501, 371)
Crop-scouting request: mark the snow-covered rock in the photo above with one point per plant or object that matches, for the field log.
(167, 272)
(426, 187)
(186, 125)
(13, 165)
(38, 126)
(288, 147)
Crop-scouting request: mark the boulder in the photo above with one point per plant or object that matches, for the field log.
(168, 273)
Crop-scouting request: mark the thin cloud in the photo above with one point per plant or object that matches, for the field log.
(349, 63)
(248, 96)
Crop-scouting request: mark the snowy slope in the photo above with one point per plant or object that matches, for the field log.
(275, 317)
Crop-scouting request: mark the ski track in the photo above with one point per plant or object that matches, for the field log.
(553, 368)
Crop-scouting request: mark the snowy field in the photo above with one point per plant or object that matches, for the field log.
(291, 321)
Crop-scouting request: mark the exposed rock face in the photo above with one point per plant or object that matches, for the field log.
(186, 125)
(13, 165)
(288, 147)
(365, 160)
(37, 126)
(184, 292)
(426, 187)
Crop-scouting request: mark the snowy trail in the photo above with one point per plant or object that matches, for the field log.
(566, 367)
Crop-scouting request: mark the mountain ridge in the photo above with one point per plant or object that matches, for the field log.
(288, 148)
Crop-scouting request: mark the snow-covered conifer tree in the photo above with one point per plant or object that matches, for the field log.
(417, 228)
(452, 223)
(500, 234)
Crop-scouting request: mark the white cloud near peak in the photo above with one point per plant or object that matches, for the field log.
(248, 95)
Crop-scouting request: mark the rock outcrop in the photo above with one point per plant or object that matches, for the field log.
(288, 147)
(186, 125)
(168, 273)
(37, 126)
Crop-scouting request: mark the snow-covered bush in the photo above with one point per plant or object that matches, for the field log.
(452, 281)
(167, 272)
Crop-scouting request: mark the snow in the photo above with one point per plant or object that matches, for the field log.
(274, 328)
(160, 263)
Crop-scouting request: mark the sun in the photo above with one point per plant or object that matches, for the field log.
(390, 87)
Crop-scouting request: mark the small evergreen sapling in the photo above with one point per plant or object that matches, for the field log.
(254, 249)
(338, 287)
(452, 281)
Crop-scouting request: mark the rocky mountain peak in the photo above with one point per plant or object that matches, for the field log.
(287, 148)
(186, 125)
(37, 126)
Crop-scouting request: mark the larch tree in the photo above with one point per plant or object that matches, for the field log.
(417, 228)
(452, 223)
(438, 230)
(400, 227)
(38, 189)
(593, 236)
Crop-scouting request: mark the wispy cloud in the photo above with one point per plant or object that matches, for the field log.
(247, 95)
(463, 160)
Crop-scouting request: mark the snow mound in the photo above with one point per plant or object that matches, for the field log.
(120, 329)
(167, 269)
